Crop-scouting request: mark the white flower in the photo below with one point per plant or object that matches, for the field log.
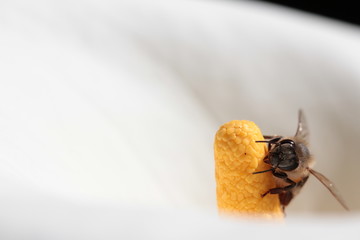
(108, 112)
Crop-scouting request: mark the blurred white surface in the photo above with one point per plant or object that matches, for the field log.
(110, 104)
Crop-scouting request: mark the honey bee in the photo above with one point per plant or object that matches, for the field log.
(291, 164)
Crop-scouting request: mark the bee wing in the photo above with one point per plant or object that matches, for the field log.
(302, 129)
(330, 186)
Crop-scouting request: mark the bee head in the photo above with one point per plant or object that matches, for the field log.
(284, 155)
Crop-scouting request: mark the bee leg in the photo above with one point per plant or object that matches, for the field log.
(284, 176)
(279, 190)
(272, 136)
(285, 198)
(281, 175)
(268, 170)
(270, 142)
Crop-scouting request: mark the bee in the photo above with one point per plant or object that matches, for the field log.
(291, 164)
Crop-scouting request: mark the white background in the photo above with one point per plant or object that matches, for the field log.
(108, 112)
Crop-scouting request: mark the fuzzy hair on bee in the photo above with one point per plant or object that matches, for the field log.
(291, 164)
